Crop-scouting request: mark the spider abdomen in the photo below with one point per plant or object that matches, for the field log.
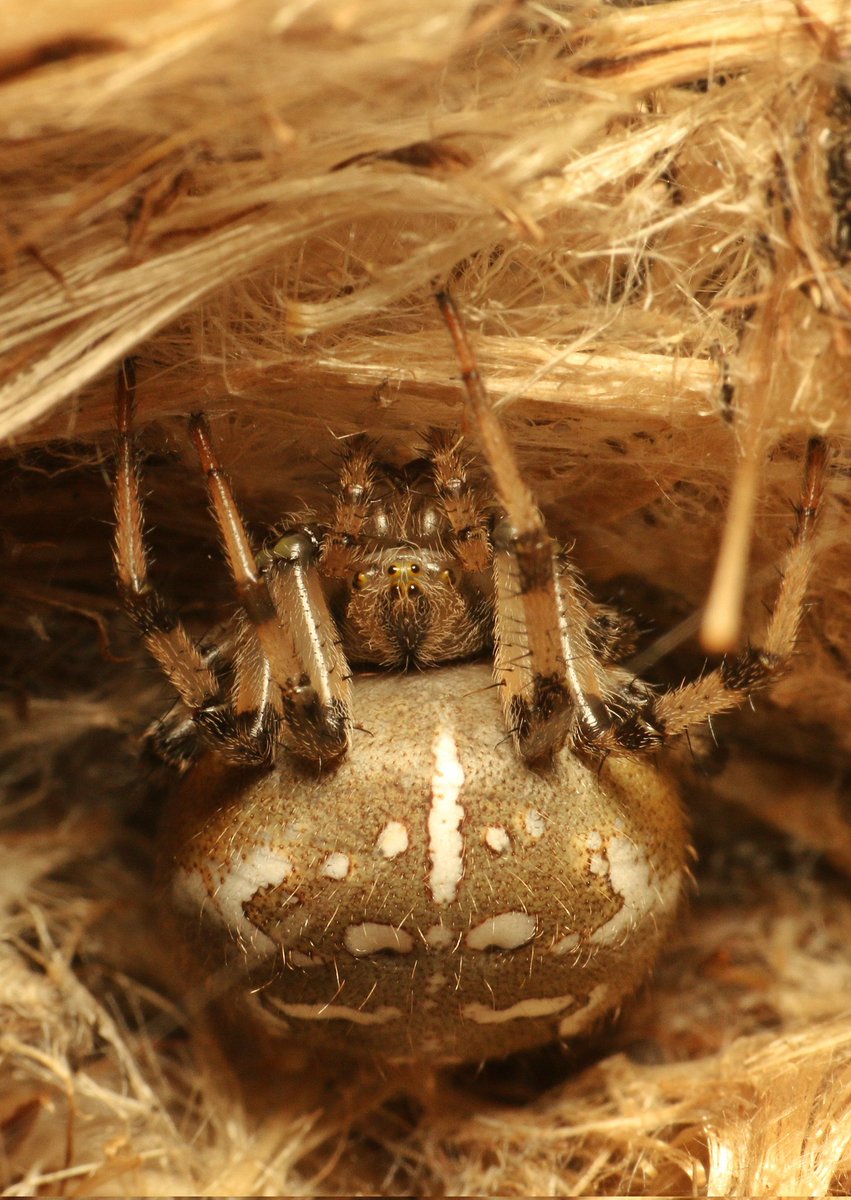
(431, 896)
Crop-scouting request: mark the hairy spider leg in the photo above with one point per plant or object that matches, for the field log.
(612, 633)
(552, 684)
(343, 540)
(290, 634)
(730, 684)
(243, 731)
(182, 660)
(177, 737)
(459, 501)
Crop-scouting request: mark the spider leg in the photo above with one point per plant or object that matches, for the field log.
(459, 501)
(351, 509)
(730, 684)
(289, 637)
(244, 728)
(552, 682)
(173, 738)
(165, 636)
(613, 634)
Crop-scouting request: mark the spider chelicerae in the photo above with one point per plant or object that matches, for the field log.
(376, 857)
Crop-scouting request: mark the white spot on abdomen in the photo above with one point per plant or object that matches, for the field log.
(439, 937)
(337, 1012)
(566, 944)
(296, 958)
(224, 889)
(536, 823)
(445, 842)
(544, 1006)
(579, 1021)
(497, 839)
(336, 866)
(643, 893)
(260, 867)
(508, 931)
(393, 840)
(599, 864)
(373, 938)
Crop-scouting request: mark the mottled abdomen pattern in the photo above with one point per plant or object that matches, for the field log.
(432, 896)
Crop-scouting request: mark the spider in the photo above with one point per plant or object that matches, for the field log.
(380, 868)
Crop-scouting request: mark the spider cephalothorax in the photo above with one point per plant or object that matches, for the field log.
(381, 857)
(407, 582)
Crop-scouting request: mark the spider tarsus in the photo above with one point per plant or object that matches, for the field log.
(172, 741)
(247, 738)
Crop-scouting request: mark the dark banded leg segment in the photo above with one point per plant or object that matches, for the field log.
(243, 726)
(552, 683)
(613, 634)
(297, 656)
(351, 509)
(181, 660)
(729, 685)
(463, 510)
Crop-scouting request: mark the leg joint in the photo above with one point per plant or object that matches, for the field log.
(149, 611)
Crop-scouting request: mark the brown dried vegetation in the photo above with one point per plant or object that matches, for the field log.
(644, 213)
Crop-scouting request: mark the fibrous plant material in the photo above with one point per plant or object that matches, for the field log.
(643, 212)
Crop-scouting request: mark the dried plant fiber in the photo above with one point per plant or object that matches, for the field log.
(645, 214)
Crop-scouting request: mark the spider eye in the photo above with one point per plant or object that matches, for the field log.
(447, 575)
(359, 580)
